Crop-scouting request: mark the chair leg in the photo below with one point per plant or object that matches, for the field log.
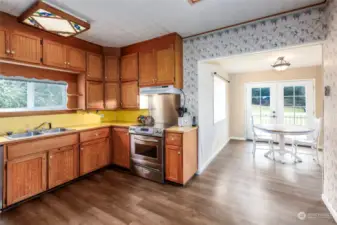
(254, 147)
(315, 148)
(295, 148)
(272, 148)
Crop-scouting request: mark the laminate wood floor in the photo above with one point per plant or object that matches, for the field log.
(235, 189)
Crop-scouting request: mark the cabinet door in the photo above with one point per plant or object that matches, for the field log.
(112, 95)
(4, 44)
(26, 176)
(129, 67)
(121, 147)
(94, 67)
(95, 95)
(165, 66)
(147, 68)
(111, 68)
(173, 164)
(62, 165)
(25, 47)
(130, 95)
(76, 59)
(54, 54)
(94, 155)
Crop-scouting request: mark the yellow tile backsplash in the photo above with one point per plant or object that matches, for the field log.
(19, 124)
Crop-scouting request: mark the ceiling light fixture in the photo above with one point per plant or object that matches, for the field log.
(51, 19)
(281, 64)
(193, 1)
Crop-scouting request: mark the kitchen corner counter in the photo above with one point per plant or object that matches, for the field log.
(177, 129)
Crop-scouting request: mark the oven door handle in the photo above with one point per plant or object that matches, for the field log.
(146, 139)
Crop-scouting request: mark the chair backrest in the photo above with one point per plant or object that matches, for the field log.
(318, 127)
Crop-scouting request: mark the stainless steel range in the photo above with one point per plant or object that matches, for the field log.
(147, 142)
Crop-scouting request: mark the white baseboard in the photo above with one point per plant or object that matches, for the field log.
(211, 159)
(330, 208)
(238, 138)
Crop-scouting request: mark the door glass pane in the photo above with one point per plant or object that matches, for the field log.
(265, 91)
(256, 92)
(288, 101)
(300, 91)
(256, 101)
(300, 101)
(288, 91)
(146, 150)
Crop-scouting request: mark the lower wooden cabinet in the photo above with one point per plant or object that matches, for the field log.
(181, 155)
(94, 155)
(121, 147)
(173, 161)
(26, 176)
(62, 165)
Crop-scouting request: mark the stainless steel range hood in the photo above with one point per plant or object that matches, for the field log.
(170, 89)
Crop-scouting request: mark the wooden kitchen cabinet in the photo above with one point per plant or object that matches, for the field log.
(94, 67)
(95, 95)
(25, 47)
(94, 155)
(165, 66)
(147, 68)
(129, 67)
(130, 95)
(112, 96)
(111, 69)
(54, 54)
(26, 176)
(181, 155)
(62, 165)
(62, 56)
(75, 59)
(121, 147)
(4, 43)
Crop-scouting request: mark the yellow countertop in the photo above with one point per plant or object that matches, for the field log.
(177, 129)
(74, 129)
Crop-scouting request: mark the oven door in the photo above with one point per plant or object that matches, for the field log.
(147, 151)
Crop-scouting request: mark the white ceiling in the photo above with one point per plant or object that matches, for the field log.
(116, 23)
(303, 56)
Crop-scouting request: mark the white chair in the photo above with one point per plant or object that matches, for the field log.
(312, 142)
(261, 137)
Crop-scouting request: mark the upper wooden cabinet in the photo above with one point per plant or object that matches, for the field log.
(160, 61)
(129, 67)
(121, 147)
(165, 66)
(75, 59)
(112, 96)
(94, 67)
(20, 46)
(26, 176)
(95, 99)
(62, 56)
(130, 95)
(111, 68)
(4, 44)
(62, 165)
(147, 68)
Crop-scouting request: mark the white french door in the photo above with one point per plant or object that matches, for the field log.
(284, 102)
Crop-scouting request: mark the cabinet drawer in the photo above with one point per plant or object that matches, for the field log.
(173, 139)
(40, 145)
(94, 134)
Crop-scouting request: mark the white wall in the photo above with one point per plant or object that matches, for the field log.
(212, 137)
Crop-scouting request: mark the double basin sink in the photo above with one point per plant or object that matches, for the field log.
(30, 134)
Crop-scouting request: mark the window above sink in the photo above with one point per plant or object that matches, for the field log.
(19, 94)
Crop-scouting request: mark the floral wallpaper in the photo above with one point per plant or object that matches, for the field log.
(286, 30)
(330, 107)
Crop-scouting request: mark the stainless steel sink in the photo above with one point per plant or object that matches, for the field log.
(36, 133)
(55, 130)
(24, 135)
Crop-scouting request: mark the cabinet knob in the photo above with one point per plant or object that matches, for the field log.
(65, 63)
(96, 134)
(88, 75)
(82, 149)
(13, 52)
(68, 63)
(179, 153)
(8, 51)
(50, 157)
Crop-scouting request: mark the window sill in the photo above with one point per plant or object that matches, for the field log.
(36, 113)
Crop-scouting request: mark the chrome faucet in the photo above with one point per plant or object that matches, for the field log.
(43, 124)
